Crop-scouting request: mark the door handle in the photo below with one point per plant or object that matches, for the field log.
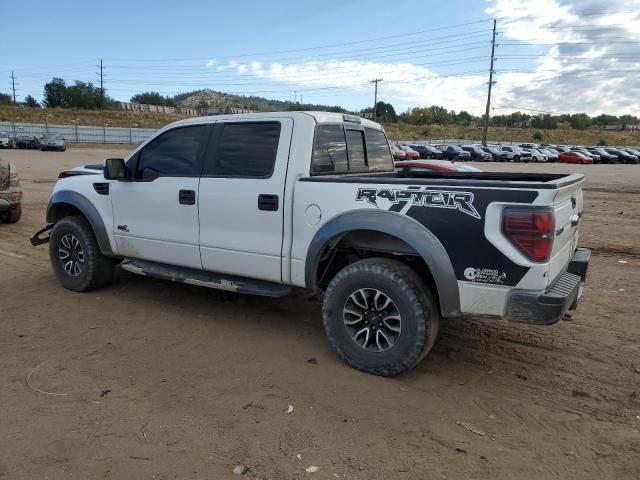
(268, 202)
(187, 197)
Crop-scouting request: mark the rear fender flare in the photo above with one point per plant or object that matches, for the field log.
(421, 239)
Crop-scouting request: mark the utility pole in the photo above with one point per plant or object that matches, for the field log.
(375, 96)
(101, 85)
(13, 86)
(486, 113)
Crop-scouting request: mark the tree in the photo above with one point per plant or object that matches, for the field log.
(30, 101)
(78, 95)
(386, 113)
(153, 98)
(464, 118)
(604, 119)
(5, 99)
(580, 121)
(55, 93)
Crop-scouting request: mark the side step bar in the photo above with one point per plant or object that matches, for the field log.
(220, 281)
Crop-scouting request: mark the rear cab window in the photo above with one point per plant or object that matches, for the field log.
(343, 148)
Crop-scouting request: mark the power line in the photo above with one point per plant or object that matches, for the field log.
(404, 35)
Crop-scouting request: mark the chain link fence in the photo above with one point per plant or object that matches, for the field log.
(80, 133)
(91, 134)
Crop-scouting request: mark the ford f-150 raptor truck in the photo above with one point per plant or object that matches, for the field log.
(261, 203)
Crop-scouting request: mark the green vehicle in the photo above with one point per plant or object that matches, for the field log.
(10, 193)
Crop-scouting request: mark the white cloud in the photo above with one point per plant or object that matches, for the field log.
(585, 70)
(577, 64)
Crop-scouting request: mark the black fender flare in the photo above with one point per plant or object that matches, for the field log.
(421, 239)
(84, 205)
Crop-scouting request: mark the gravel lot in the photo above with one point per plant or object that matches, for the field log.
(171, 381)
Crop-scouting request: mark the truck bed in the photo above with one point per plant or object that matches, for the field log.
(477, 179)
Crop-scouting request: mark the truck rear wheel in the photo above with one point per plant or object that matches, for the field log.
(76, 258)
(380, 316)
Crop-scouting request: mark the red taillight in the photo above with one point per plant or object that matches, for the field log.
(530, 230)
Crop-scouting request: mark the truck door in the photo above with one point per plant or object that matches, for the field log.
(155, 212)
(241, 198)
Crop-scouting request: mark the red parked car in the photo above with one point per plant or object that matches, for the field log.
(411, 153)
(397, 153)
(574, 157)
(409, 166)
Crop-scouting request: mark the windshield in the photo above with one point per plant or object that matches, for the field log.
(51, 136)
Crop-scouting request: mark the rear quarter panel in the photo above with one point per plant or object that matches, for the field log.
(455, 215)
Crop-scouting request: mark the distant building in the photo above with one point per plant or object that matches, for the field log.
(367, 115)
(223, 110)
(143, 107)
(618, 127)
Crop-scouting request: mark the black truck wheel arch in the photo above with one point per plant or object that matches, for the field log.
(425, 243)
(57, 209)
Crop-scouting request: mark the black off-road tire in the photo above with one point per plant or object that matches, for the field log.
(13, 215)
(420, 318)
(516, 159)
(96, 271)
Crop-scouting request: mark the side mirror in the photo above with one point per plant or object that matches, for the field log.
(115, 169)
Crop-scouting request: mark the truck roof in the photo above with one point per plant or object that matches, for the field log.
(319, 117)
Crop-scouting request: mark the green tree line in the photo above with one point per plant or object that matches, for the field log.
(57, 93)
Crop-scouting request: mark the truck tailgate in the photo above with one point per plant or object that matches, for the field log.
(567, 205)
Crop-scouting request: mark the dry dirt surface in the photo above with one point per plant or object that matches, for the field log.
(147, 379)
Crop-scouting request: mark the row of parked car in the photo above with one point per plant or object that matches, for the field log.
(49, 141)
(525, 152)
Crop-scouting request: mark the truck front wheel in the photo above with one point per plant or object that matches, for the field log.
(76, 258)
(380, 316)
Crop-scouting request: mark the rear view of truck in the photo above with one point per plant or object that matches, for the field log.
(549, 236)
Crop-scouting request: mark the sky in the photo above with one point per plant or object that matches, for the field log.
(552, 56)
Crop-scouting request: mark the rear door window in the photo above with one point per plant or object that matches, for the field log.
(246, 149)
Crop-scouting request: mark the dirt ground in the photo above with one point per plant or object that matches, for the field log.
(147, 379)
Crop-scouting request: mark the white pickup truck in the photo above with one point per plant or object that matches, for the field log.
(260, 203)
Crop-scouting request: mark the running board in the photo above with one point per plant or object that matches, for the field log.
(220, 281)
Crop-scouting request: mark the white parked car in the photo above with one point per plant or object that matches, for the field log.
(5, 140)
(537, 155)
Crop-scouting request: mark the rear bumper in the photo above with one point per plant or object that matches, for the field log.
(563, 295)
(10, 199)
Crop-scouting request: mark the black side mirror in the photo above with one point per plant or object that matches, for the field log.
(115, 169)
